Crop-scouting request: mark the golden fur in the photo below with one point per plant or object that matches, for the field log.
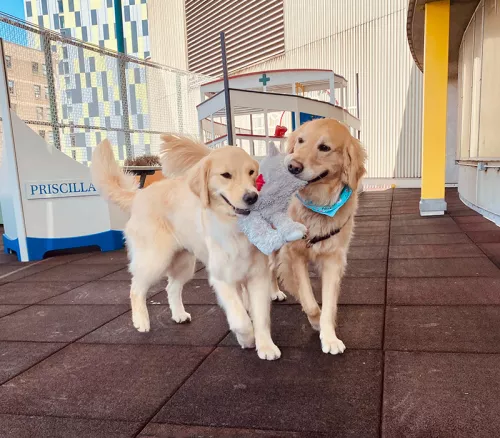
(175, 221)
(345, 163)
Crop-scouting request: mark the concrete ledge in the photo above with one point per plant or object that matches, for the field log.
(432, 207)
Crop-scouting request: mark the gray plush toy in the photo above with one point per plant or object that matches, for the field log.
(268, 225)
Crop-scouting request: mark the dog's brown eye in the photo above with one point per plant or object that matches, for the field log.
(226, 175)
(252, 172)
(324, 148)
(300, 140)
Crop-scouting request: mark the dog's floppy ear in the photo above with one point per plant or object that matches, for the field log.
(354, 162)
(198, 181)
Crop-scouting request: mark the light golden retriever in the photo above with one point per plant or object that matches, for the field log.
(194, 215)
(325, 153)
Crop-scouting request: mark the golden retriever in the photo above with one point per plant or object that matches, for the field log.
(325, 153)
(194, 215)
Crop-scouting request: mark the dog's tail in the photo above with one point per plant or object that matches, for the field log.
(114, 184)
(179, 154)
(283, 263)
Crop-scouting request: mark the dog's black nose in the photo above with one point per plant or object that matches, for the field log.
(250, 198)
(295, 167)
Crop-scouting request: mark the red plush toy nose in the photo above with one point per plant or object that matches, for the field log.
(259, 182)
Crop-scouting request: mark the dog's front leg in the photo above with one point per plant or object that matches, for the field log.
(237, 317)
(332, 269)
(259, 287)
(305, 291)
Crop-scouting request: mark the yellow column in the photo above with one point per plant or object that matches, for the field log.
(436, 40)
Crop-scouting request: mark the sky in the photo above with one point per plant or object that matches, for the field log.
(13, 7)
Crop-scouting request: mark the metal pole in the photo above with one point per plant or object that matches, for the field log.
(178, 85)
(357, 102)
(229, 121)
(54, 119)
(122, 76)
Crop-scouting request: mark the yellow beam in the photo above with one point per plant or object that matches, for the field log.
(436, 41)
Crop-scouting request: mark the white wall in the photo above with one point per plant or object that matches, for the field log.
(167, 27)
(348, 36)
(366, 37)
(479, 109)
(451, 132)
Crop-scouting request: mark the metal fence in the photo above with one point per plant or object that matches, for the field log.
(75, 94)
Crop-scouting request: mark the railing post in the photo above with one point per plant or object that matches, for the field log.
(180, 110)
(122, 75)
(54, 119)
(227, 93)
(357, 102)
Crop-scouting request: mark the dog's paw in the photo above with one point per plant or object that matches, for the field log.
(141, 322)
(278, 296)
(181, 317)
(331, 344)
(246, 340)
(268, 351)
(297, 233)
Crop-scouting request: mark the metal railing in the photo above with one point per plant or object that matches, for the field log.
(88, 93)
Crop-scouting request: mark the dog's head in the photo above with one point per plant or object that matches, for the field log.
(225, 180)
(323, 151)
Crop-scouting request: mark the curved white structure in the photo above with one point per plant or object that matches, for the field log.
(263, 93)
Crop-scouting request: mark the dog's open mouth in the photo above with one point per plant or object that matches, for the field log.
(320, 176)
(240, 211)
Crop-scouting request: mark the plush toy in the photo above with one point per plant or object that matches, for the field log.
(268, 225)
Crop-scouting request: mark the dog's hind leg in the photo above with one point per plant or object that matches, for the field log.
(179, 273)
(147, 268)
(276, 293)
(305, 292)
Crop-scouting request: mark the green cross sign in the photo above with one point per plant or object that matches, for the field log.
(264, 79)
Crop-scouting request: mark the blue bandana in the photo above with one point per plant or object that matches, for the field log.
(329, 210)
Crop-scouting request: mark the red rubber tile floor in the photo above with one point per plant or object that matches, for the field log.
(419, 313)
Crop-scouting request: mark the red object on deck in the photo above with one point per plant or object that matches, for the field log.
(280, 131)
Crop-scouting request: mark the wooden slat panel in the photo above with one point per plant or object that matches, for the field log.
(254, 29)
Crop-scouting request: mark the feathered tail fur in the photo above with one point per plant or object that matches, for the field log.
(115, 184)
(178, 154)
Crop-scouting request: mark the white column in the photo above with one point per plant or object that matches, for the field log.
(332, 89)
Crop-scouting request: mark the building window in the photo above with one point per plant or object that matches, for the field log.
(37, 90)
(44, 69)
(61, 22)
(50, 137)
(11, 87)
(60, 5)
(34, 67)
(47, 114)
(8, 61)
(46, 92)
(42, 133)
(39, 113)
